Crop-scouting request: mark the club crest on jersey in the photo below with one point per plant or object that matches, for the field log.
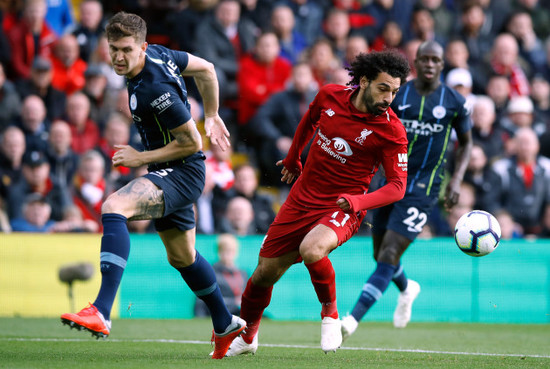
(439, 111)
(361, 139)
(330, 112)
(133, 102)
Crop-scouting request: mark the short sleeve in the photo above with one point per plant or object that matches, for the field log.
(462, 123)
(181, 58)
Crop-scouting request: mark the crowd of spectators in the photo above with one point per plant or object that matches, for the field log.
(63, 109)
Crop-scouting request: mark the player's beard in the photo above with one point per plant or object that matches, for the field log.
(373, 107)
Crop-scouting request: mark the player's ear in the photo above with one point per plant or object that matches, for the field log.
(144, 46)
(363, 82)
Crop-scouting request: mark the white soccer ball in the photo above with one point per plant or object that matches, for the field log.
(477, 233)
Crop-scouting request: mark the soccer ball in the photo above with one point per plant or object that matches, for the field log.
(477, 233)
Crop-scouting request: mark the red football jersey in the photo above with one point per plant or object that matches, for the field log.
(347, 150)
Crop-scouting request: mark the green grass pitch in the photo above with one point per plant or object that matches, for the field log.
(135, 343)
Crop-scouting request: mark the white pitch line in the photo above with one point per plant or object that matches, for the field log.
(417, 351)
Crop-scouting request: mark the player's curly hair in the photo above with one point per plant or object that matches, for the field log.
(124, 24)
(371, 64)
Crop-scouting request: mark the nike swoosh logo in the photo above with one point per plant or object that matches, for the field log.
(403, 107)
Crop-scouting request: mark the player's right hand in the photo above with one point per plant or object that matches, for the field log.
(288, 176)
(217, 132)
(126, 156)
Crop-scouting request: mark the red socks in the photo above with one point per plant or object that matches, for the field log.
(255, 300)
(323, 279)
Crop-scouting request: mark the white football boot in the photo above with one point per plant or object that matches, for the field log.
(402, 314)
(240, 347)
(349, 325)
(331, 334)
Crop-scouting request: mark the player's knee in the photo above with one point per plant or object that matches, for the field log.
(180, 261)
(389, 255)
(111, 205)
(174, 262)
(311, 252)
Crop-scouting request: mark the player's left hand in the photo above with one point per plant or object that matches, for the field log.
(217, 131)
(452, 194)
(343, 204)
(126, 156)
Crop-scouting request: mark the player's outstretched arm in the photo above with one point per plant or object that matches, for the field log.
(395, 170)
(207, 83)
(391, 192)
(452, 191)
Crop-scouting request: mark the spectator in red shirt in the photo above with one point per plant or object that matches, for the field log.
(505, 61)
(263, 72)
(90, 186)
(84, 130)
(68, 68)
(222, 168)
(116, 132)
(29, 37)
(390, 38)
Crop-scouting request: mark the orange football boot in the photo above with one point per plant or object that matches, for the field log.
(223, 340)
(88, 318)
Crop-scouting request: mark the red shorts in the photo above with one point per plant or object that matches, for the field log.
(292, 224)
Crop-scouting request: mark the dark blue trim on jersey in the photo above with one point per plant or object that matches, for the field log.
(405, 94)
